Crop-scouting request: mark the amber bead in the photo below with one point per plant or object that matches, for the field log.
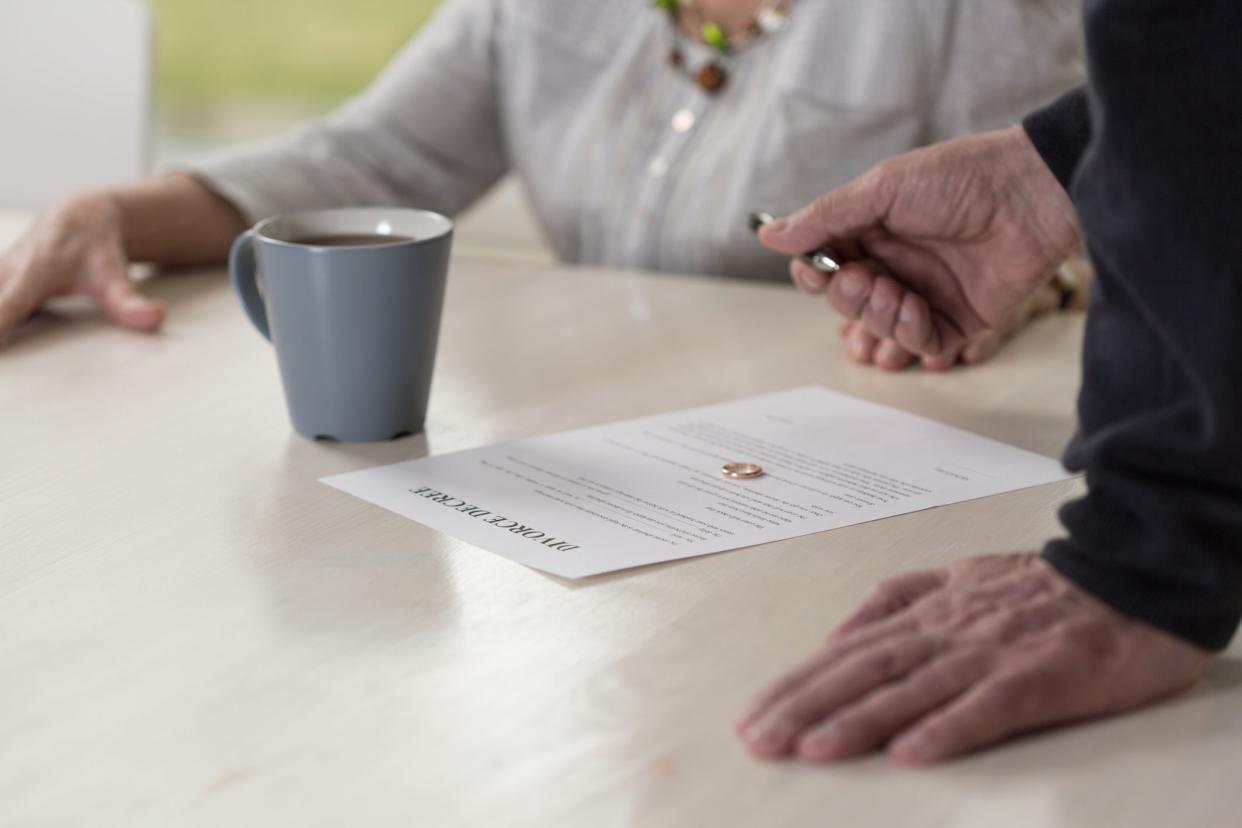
(675, 57)
(711, 77)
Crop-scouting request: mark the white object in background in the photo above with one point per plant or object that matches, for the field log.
(75, 91)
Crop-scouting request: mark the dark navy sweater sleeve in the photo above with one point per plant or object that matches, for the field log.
(1061, 132)
(1158, 193)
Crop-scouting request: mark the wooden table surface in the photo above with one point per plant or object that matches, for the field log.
(193, 631)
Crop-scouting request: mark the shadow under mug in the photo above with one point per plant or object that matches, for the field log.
(354, 326)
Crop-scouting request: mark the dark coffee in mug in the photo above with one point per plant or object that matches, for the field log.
(351, 239)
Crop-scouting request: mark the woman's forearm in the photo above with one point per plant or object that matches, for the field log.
(173, 219)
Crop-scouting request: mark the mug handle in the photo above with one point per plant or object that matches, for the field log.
(243, 273)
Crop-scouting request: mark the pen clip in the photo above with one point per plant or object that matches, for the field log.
(823, 259)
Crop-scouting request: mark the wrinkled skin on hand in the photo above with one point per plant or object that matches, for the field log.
(939, 663)
(865, 348)
(74, 248)
(938, 245)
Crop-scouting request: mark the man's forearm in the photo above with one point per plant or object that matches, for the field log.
(1061, 132)
(1159, 535)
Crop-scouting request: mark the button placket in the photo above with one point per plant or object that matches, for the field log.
(679, 130)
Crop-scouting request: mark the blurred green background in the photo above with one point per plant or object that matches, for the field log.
(235, 67)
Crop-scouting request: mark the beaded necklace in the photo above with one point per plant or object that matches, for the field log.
(770, 17)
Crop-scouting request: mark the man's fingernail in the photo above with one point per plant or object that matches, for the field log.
(824, 746)
(756, 742)
(757, 732)
(778, 226)
(768, 738)
(852, 286)
(750, 711)
(914, 747)
(908, 314)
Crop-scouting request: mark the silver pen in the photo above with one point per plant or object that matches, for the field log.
(823, 259)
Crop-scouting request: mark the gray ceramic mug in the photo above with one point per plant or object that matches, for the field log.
(354, 326)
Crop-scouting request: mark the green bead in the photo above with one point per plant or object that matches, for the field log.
(669, 6)
(715, 37)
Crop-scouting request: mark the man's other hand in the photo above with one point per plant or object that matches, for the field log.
(938, 663)
(940, 244)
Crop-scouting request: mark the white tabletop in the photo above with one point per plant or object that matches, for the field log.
(193, 631)
(11, 224)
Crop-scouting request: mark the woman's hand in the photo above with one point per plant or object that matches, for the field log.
(866, 348)
(76, 247)
(85, 245)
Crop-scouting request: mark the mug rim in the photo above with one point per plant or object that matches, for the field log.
(263, 225)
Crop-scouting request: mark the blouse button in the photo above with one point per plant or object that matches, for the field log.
(683, 121)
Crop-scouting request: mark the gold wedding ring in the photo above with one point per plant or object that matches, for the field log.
(741, 471)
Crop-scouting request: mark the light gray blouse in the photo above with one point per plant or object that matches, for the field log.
(626, 162)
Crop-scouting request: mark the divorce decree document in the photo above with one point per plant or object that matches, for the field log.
(642, 491)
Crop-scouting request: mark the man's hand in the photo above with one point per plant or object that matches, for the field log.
(75, 247)
(939, 244)
(938, 663)
(866, 348)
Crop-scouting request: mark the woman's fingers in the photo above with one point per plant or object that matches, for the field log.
(860, 343)
(866, 348)
(74, 248)
(125, 306)
(16, 300)
(110, 285)
(892, 357)
(941, 362)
